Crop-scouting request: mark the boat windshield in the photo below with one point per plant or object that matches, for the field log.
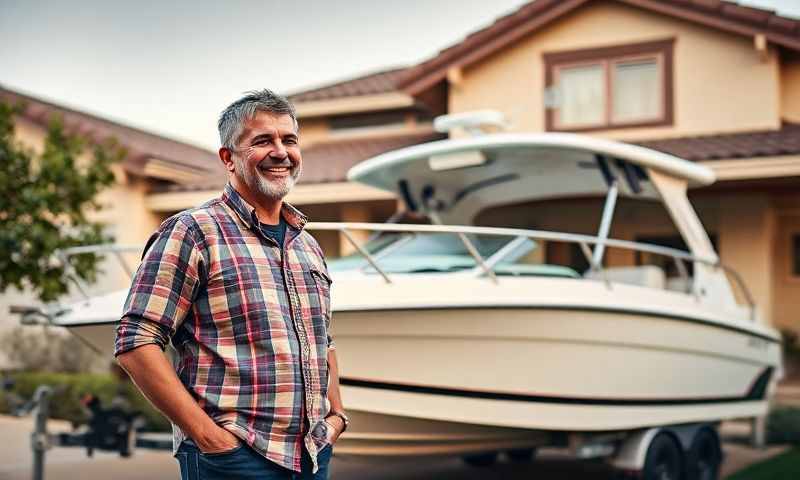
(421, 252)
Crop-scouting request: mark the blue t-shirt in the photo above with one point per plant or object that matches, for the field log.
(275, 232)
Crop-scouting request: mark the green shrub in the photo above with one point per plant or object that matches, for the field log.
(69, 388)
(783, 426)
(791, 341)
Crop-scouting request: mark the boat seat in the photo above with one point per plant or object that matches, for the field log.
(644, 276)
(679, 284)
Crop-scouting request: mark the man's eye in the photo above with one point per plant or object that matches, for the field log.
(290, 141)
(263, 141)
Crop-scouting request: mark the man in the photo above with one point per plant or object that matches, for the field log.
(243, 293)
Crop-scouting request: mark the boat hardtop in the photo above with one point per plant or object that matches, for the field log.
(468, 174)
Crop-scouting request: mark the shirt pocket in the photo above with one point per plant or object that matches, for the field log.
(320, 293)
(322, 284)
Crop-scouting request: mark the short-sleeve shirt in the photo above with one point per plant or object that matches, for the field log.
(249, 320)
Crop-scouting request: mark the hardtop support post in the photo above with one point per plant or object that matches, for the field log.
(605, 224)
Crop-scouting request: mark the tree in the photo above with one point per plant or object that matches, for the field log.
(44, 204)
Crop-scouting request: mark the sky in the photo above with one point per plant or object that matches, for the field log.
(171, 67)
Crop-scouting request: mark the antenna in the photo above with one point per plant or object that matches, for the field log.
(474, 123)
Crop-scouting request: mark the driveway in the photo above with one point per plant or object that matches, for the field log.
(72, 463)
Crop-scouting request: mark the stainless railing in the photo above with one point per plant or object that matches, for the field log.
(483, 266)
(117, 250)
(486, 266)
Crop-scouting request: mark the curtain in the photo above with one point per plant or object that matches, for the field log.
(582, 92)
(636, 91)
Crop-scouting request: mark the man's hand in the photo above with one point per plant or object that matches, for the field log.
(336, 425)
(218, 440)
(153, 374)
(335, 397)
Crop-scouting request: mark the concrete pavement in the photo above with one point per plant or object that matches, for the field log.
(72, 463)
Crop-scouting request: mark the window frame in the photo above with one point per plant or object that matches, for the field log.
(608, 57)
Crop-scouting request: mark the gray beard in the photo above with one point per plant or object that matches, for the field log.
(256, 183)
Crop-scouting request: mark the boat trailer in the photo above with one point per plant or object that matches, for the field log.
(109, 429)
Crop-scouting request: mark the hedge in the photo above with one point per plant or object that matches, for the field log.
(783, 426)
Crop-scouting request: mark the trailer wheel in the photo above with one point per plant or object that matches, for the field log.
(521, 455)
(664, 459)
(704, 457)
(481, 459)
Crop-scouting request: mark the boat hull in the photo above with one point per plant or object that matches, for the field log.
(551, 369)
(510, 369)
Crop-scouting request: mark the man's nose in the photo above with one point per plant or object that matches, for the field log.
(279, 152)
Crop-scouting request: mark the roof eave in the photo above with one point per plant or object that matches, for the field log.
(425, 76)
(354, 104)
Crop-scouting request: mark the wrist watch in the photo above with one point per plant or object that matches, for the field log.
(343, 416)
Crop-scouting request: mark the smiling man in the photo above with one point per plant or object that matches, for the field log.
(243, 294)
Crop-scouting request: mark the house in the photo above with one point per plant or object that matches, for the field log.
(707, 80)
(710, 81)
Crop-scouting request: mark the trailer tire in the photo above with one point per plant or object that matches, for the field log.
(481, 459)
(521, 455)
(664, 459)
(704, 458)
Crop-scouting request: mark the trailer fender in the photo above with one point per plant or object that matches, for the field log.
(633, 451)
(631, 454)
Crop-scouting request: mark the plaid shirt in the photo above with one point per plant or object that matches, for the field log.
(249, 321)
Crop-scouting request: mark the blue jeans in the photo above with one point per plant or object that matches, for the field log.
(243, 463)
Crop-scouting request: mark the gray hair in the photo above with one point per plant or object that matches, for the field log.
(231, 120)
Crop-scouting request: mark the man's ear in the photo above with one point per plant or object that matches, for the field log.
(225, 157)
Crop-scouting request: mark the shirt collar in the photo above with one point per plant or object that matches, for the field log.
(247, 213)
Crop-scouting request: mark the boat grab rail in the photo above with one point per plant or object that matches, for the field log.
(62, 255)
(679, 256)
(346, 228)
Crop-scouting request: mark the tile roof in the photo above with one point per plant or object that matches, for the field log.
(330, 161)
(723, 15)
(718, 14)
(785, 141)
(140, 145)
(374, 83)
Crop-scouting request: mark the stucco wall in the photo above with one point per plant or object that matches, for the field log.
(790, 91)
(786, 282)
(313, 130)
(721, 84)
(29, 134)
(746, 229)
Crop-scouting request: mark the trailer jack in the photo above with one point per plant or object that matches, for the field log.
(108, 430)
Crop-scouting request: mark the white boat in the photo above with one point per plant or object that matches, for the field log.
(454, 338)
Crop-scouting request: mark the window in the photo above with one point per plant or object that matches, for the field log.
(569, 255)
(423, 252)
(667, 263)
(612, 87)
(583, 101)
